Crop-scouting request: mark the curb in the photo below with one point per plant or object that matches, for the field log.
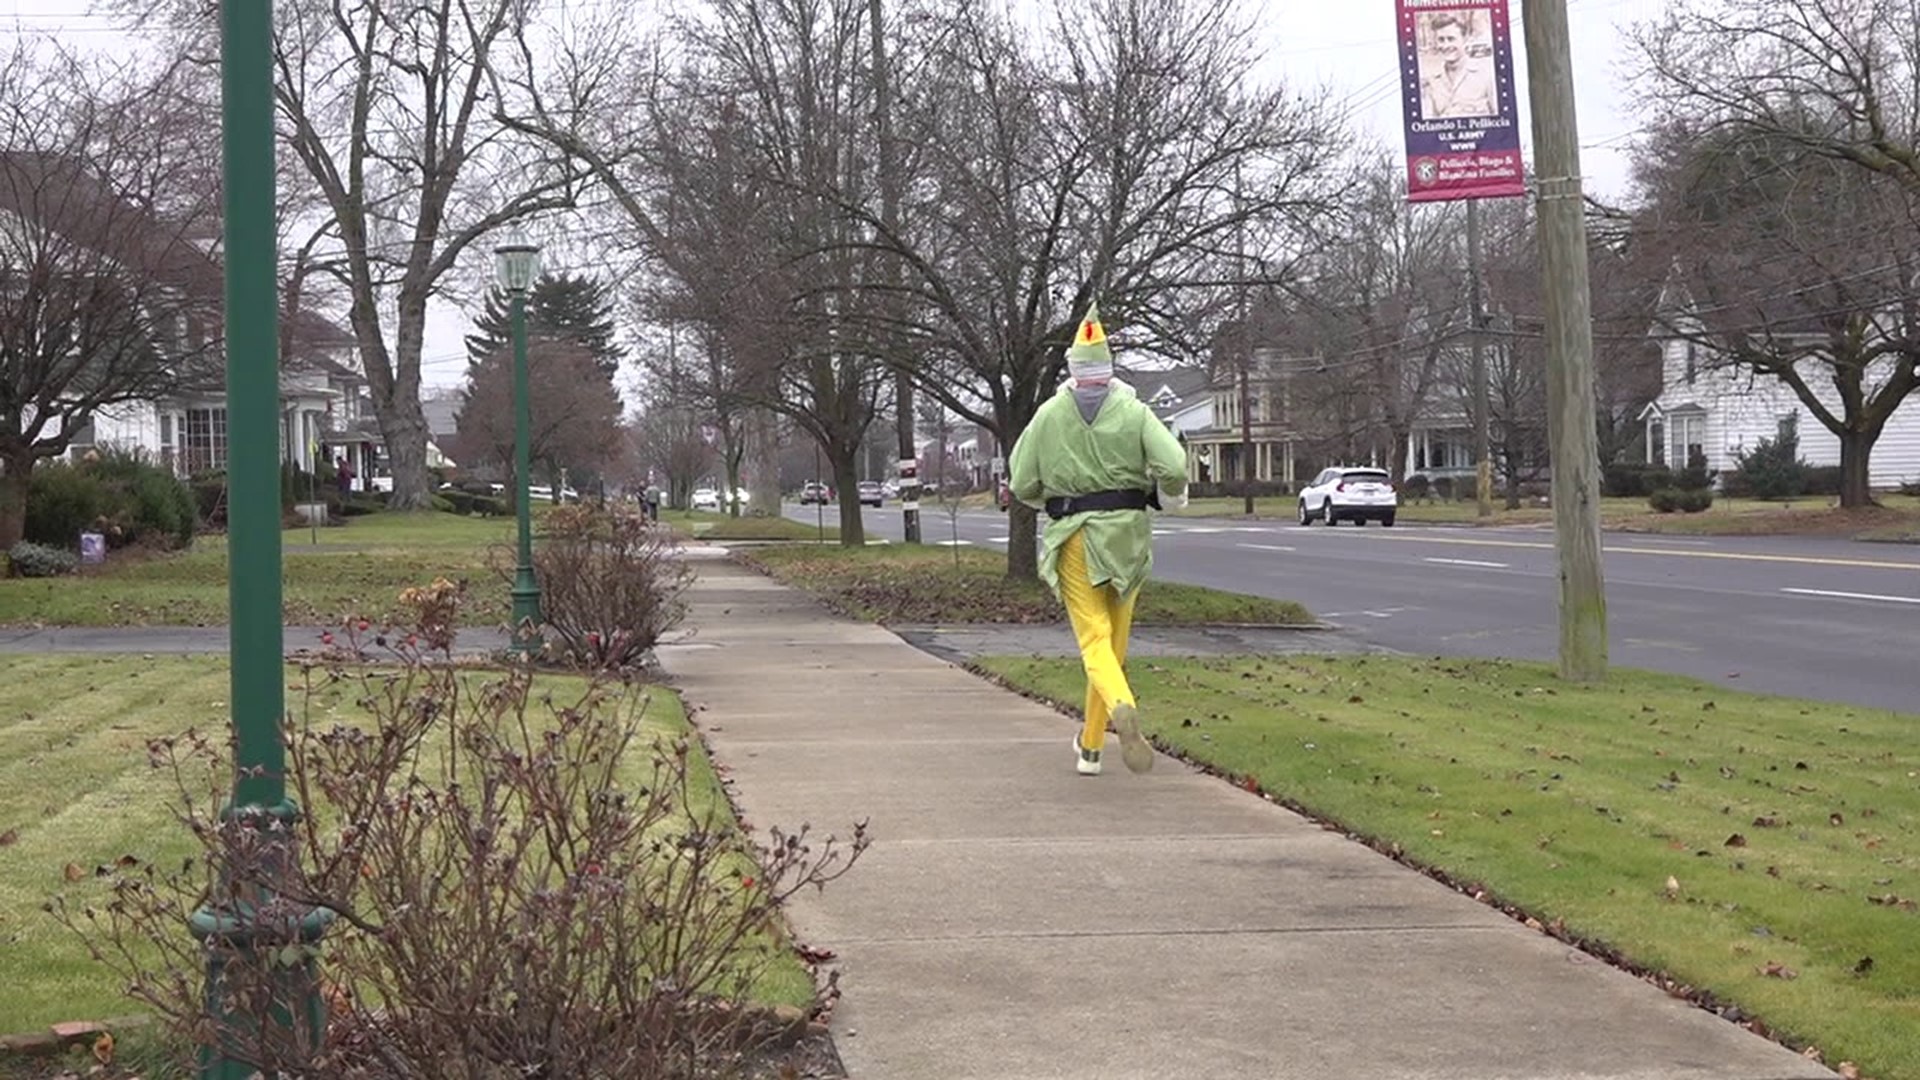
(57, 1038)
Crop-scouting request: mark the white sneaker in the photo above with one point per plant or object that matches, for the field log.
(1134, 748)
(1087, 761)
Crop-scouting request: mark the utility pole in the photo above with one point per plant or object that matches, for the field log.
(1249, 468)
(1569, 318)
(890, 220)
(1482, 436)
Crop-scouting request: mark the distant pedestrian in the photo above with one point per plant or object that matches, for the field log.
(343, 475)
(652, 497)
(1095, 457)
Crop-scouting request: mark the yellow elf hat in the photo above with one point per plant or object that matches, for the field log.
(1089, 349)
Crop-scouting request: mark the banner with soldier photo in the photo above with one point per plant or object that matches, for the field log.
(1457, 92)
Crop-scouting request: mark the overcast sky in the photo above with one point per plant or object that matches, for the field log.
(1348, 48)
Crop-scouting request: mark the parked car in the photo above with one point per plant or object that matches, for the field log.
(870, 494)
(706, 498)
(813, 492)
(1349, 493)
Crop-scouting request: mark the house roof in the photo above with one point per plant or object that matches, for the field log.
(68, 198)
(1166, 390)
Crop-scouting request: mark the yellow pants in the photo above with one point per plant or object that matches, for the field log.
(1101, 620)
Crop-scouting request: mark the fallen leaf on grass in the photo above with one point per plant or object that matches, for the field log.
(1892, 901)
(1865, 965)
(1766, 821)
(8, 838)
(1736, 840)
(1673, 886)
(1777, 970)
(103, 1048)
(1835, 819)
(1848, 1071)
(74, 873)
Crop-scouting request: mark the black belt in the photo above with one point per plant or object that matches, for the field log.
(1061, 506)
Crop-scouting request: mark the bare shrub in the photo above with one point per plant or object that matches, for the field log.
(522, 885)
(611, 585)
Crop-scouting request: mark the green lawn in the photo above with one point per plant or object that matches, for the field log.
(76, 790)
(898, 583)
(1701, 832)
(701, 525)
(358, 568)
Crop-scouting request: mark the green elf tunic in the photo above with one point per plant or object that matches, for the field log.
(1125, 447)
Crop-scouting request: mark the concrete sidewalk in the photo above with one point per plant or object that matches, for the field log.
(1013, 920)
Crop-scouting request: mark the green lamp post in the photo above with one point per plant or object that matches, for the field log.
(516, 262)
(262, 981)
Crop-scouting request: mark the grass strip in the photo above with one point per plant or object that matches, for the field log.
(357, 569)
(1761, 852)
(76, 791)
(907, 584)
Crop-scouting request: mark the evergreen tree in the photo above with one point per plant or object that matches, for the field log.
(561, 306)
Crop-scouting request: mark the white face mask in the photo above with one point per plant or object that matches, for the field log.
(1086, 373)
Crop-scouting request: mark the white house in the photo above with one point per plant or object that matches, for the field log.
(323, 413)
(1722, 409)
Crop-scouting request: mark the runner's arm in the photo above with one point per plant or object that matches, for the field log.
(1166, 460)
(1023, 468)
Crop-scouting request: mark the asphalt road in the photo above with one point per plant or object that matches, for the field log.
(1826, 619)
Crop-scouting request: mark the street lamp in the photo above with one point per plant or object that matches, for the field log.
(515, 264)
(245, 930)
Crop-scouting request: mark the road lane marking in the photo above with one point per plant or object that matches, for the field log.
(1854, 595)
(1740, 556)
(1265, 547)
(1470, 562)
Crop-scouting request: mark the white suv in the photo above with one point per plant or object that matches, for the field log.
(1354, 494)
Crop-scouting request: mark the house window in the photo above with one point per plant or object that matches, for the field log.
(1657, 442)
(1789, 428)
(1693, 364)
(1689, 438)
(206, 440)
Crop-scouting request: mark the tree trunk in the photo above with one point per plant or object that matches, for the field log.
(730, 465)
(16, 472)
(1023, 555)
(764, 450)
(1397, 453)
(402, 422)
(845, 463)
(405, 427)
(1856, 449)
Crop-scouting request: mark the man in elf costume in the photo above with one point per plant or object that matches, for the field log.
(1095, 458)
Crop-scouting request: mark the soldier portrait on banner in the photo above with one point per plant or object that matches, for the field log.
(1456, 72)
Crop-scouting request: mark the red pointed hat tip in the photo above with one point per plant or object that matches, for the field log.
(1086, 331)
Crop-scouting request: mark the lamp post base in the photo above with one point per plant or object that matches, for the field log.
(527, 635)
(262, 992)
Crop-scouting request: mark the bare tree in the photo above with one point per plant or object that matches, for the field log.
(1837, 79)
(107, 298)
(388, 111)
(1792, 266)
(573, 410)
(1389, 299)
(1101, 164)
(728, 173)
